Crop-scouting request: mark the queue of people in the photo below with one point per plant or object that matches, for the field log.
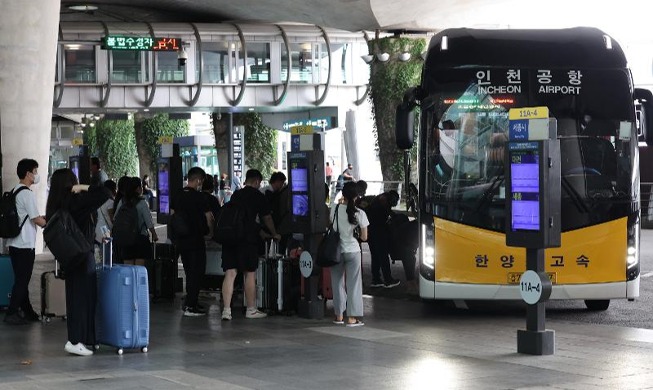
(98, 208)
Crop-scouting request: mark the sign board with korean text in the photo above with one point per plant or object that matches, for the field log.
(145, 43)
(533, 194)
(239, 149)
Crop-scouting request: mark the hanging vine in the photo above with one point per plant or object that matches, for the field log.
(388, 83)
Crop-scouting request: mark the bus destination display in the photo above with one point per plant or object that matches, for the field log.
(524, 181)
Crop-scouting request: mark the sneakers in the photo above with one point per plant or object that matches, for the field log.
(226, 314)
(255, 314)
(377, 283)
(194, 312)
(77, 349)
(392, 283)
(15, 319)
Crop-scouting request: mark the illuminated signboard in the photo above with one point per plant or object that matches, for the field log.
(525, 182)
(119, 42)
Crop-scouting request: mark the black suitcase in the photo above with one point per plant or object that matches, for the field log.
(277, 282)
(165, 271)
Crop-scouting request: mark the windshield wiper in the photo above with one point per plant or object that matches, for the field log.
(489, 193)
(576, 199)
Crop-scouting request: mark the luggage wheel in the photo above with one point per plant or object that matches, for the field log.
(96, 347)
(144, 349)
(119, 351)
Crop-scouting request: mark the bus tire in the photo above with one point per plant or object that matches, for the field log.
(597, 304)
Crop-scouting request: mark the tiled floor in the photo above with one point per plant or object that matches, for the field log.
(405, 344)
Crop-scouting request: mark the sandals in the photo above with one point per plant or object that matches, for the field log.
(355, 323)
(339, 322)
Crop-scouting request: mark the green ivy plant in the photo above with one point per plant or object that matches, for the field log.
(117, 147)
(157, 126)
(388, 83)
(260, 143)
(90, 139)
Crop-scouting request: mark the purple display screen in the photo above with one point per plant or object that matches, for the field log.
(525, 184)
(164, 189)
(299, 179)
(300, 205)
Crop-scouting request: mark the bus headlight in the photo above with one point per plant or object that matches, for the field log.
(428, 246)
(632, 252)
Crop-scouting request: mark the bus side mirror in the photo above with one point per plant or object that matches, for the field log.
(645, 98)
(404, 126)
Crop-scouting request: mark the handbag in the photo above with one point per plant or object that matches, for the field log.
(65, 240)
(328, 252)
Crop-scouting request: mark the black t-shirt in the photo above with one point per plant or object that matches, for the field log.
(214, 204)
(257, 205)
(194, 206)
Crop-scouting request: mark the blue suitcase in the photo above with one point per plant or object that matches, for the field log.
(123, 309)
(6, 280)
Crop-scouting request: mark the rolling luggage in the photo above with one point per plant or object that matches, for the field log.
(276, 282)
(6, 280)
(123, 305)
(53, 294)
(165, 271)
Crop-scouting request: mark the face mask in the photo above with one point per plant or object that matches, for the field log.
(37, 178)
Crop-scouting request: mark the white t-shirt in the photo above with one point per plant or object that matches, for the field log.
(26, 206)
(348, 242)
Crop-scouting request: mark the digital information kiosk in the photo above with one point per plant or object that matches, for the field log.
(170, 180)
(310, 216)
(533, 215)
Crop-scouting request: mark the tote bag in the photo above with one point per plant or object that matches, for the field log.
(328, 253)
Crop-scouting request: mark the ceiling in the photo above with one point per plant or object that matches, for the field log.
(356, 15)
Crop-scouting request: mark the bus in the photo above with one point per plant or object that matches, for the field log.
(470, 80)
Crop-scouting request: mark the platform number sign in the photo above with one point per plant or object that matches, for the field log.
(530, 287)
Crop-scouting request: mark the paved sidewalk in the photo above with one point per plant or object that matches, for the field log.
(405, 344)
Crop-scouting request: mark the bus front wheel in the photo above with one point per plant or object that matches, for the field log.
(597, 305)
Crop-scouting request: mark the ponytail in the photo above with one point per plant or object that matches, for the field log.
(350, 193)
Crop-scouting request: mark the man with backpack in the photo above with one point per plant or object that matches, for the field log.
(242, 254)
(193, 222)
(21, 246)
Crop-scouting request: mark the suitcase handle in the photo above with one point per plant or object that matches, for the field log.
(271, 247)
(107, 241)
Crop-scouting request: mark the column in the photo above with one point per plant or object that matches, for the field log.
(28, 46)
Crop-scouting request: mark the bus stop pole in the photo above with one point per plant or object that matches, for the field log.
(230, 149)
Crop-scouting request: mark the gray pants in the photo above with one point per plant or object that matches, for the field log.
(350, 299)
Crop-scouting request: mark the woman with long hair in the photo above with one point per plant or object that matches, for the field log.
(82, 201)
(140, 252)
(347, 220)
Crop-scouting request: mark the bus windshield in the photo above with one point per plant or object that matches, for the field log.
(466, 121)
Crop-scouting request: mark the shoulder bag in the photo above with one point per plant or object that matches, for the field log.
(328, 252)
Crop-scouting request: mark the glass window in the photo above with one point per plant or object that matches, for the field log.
(322, 63)
(361, 73)
(130, 66)
(342, 63)
(215, 57)
(258, 62)
(168, 69)
(302, 63)
(80, 63)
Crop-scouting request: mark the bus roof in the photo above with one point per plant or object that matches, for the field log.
(579, 47)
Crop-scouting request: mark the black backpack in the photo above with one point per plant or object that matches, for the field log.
(231, 224)
(10, 225)
(125, 226)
